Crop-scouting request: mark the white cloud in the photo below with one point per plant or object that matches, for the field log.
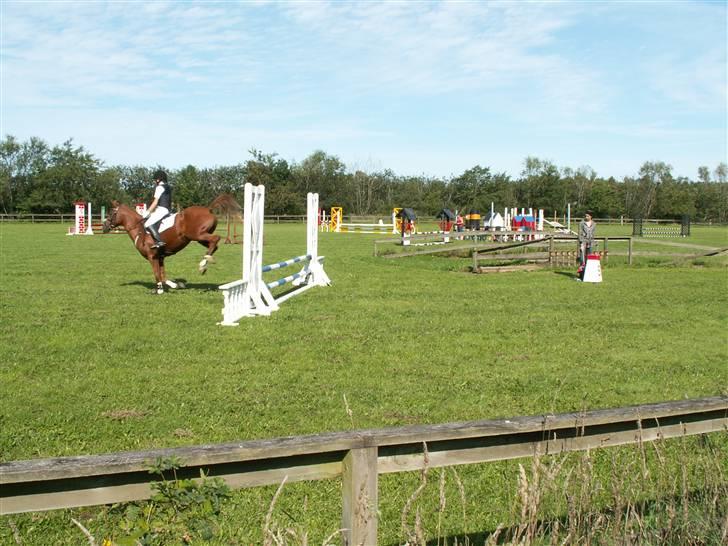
(698, 83)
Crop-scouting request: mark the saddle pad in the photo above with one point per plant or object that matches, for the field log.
(167, 222)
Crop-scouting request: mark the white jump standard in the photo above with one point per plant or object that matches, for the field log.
(251, 296)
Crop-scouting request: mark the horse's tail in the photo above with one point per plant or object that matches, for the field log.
(225, 203)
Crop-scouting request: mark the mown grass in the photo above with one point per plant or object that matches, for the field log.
(92, 363)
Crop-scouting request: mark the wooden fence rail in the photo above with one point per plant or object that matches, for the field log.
(479, 248)
(358, 457)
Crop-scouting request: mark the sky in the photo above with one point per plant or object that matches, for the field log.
(421, 88)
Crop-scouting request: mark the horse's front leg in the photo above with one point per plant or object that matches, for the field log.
(163, 275)
(158, 268)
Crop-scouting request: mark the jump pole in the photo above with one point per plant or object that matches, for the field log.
(89, 229)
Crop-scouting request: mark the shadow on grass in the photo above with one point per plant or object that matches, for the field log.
(204, 287)
(567, 274)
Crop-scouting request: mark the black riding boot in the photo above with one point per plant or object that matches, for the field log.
(158, 243)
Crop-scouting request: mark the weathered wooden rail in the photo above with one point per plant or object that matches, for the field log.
(358, 457)
(480, 248)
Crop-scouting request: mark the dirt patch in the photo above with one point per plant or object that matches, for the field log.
(124, 414)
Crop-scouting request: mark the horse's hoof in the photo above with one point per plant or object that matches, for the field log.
(203, 267)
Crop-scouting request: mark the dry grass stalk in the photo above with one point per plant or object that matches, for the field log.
(493, 538)
(349, 412)
(419, 529)
(16, 532)
(685, 488)
(328, 539)
(555, 533)
(441, 504)
(89, 536)
(461, 491)
(641, 446)
(411, 536)
(268, 536)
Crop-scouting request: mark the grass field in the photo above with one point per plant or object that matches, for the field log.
(92, 363)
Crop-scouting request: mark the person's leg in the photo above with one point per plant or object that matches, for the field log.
(582, 260)
(151, 226)
(154, 232)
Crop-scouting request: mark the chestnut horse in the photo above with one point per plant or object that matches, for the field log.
(192, 224)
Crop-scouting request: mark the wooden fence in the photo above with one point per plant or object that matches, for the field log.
(358, 457)
(480, 250)
(553, 257)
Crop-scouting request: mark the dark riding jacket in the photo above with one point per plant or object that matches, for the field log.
(165, 200)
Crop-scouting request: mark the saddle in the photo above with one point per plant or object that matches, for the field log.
(166, 222)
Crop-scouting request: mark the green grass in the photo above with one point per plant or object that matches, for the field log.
(92, 363)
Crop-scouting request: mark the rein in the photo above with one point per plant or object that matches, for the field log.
(135, 225)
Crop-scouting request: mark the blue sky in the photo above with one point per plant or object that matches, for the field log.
(429, 88)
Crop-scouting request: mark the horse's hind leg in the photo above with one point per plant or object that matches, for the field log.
(209, 241)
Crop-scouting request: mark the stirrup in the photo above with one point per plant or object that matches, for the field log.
(159, 244)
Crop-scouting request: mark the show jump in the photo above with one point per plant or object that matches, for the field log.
(251, 295)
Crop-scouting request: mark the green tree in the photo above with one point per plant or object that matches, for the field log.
(21, 166)
(9, 153)
(651, 175)
(137, 183)
(323, 174)
(67, 178)
(542, 186)
(106, 186)
(275, 174)
(470, 190)
(188, 188)
(704, 174)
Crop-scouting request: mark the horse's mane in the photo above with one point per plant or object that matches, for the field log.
(225, 203)
(127, 207)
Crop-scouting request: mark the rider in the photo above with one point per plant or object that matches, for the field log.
(159, 208)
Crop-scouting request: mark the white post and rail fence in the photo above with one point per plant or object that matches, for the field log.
(357, 457)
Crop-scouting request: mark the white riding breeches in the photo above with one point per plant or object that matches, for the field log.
(156, 216)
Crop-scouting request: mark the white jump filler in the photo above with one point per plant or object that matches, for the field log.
(251, 295)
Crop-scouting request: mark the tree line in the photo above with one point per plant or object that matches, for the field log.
(39, 178)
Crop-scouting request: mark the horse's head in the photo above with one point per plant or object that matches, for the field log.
(111, 220)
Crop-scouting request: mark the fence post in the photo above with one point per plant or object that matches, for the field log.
(606, 250)
(551, 251)
(359, 488)
(629, 258)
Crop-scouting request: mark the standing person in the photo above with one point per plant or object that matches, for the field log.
(459, 222)
(587, 228)
(159, 208)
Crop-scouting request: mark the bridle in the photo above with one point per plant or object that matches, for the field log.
(111, 221)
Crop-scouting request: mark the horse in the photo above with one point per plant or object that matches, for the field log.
(192, 224)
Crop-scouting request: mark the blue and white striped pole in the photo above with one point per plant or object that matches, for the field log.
(286, 263)
(285, 280)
